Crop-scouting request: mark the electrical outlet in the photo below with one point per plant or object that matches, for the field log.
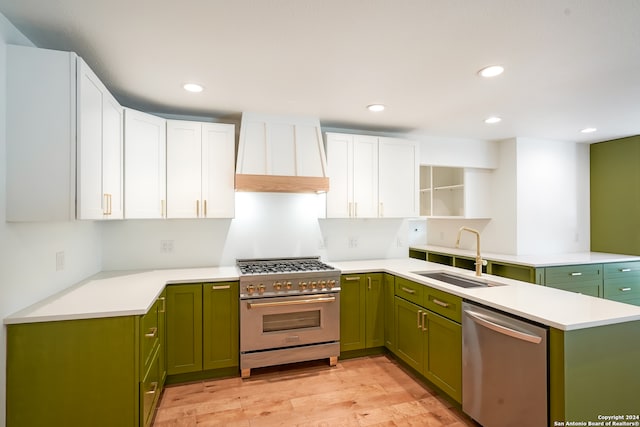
(353, 242)
(60, 261)
(166, 246)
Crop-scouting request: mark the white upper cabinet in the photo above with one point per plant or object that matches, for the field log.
(371, 177)
(398, 178)
(144, 165)
(60, 118)
(41, 134)
(455, 192)
(99, 149)
(200, 171)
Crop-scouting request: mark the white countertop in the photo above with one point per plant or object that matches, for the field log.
(116, 293)
(549, 260)
(110, 294)
(553, 307)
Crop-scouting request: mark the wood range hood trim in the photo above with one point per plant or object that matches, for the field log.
(281, 154)
(282, 183)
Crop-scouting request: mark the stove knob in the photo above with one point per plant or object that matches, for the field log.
(323, 284)
(250, 289)
(261, 288)
(278, 286)
(303, 285)
(313, 285)
(331, 283)
(288, 285)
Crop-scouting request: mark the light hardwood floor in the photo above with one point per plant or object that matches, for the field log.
(369, 391)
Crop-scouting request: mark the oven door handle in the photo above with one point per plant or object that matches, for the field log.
(293, 302)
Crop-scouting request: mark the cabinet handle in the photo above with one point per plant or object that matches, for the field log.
(352, 278)
(369, 280)
(205, 209)
(577, 273)
(440, 303)
(154, 388)
(356, 209)
(152, 332)
(625, 289)
(409, 291)
(625, 270)
(105, 210)
(110, 204)
(164, 304)
(424, 321)
(197, 208)
(418, 317)
(220, 287)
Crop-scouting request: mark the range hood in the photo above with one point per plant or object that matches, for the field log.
(283, 154)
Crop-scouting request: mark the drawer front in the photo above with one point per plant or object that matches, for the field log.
(573, 274)
(593, 289)
(150, 389)
(149, 334)
(447, 305)
(626, 270)
(622, 281)
(411, 291)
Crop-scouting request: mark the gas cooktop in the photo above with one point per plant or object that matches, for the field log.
(282, 265)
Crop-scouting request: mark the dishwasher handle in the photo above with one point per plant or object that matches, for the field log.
(485, 321)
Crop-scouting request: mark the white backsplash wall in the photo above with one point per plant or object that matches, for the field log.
(266, 225)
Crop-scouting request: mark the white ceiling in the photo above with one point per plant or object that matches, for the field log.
(570, 64)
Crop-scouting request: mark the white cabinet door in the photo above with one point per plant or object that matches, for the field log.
(99, 121)
(200, 170)
(340, 171)
(40, 134)
(218, 170)
(184, 163)
(365, 176)
(398, 177)
(144, 165)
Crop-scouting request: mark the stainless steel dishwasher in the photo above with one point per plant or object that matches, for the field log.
(504, 369)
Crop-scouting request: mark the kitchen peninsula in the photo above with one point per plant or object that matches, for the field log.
(594, 343)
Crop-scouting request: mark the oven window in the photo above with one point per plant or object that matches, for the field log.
(289, 321)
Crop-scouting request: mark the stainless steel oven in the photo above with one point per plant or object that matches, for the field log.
(289, 312)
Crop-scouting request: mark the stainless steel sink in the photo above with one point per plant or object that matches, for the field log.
(452, 279)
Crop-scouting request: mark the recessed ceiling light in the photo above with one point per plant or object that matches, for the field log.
(193, 87)
(491, 71)
(492, 120)
(375, 107)
(588, 130)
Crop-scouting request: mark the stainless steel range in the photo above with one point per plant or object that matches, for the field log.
(289, 312)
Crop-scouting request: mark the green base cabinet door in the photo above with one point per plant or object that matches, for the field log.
(184, 328)
(410, 340)
(443, 364)
(352, 313)
(220, 339)
(374, 310)
(389, 312)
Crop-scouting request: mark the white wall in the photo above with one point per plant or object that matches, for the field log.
(552, 196)
(28, 251)
(266, 225)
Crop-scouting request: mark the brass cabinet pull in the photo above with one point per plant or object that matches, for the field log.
(424, 321)
(352, 278)
(440, 303)
(577, 273)
(220, 287)
(369, 280)
(154, 388)
(356, 209)
(418, 319)
(205, 209)
(164, 304)
(409, 291)
(197, 208)
(625, 289)
(152, 332)
(105, 210)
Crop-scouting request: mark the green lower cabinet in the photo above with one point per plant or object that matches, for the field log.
(202, 327)
(220, 342)
(73, 373)
(431, 344)
(184, 328)
(362, 311)
(593, 372)
(389, 312)
(622, 282)
(583, 279)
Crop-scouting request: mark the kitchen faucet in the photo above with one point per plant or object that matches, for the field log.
(478, 257)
